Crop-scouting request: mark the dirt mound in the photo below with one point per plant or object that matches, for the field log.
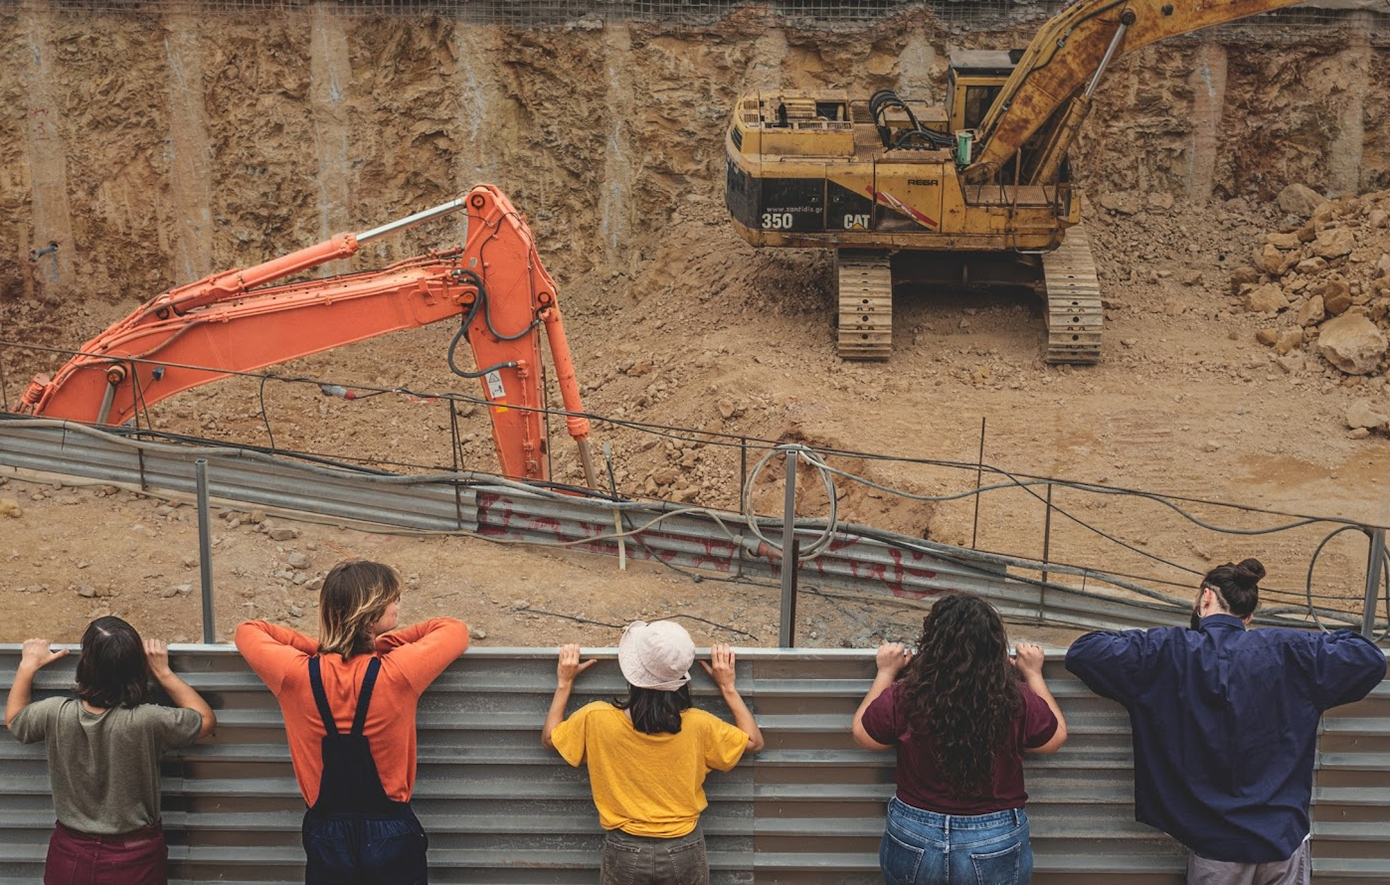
(1323, 284)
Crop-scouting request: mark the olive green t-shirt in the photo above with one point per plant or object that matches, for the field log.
(104, 767)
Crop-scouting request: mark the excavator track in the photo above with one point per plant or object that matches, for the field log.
(1073, 301)
(865, 280)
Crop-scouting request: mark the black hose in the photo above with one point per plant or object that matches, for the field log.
(884, 99)
(480, 303)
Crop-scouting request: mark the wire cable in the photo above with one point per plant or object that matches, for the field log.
(818, 460)
(822, 541)
(1385, 580)
(481, 304)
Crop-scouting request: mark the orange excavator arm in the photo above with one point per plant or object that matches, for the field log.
(224, 324)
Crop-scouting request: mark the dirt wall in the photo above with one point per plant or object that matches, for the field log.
(155, 149)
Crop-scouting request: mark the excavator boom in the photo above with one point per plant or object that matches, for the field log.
(1072, 48)
(222, 325)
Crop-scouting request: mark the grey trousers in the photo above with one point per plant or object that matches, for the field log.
(643, 860)
(1296, 870)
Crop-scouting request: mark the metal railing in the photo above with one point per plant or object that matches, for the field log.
(849, 557)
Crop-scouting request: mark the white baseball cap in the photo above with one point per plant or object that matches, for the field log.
(656, 655)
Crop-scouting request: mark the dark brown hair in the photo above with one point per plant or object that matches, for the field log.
(961, 690)
(112, 671)
(655, 711)
(1237, 585)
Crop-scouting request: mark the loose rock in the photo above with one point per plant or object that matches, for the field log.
(1300, 200)
(1124, 202)
(1268, 298)
(1352, 343)
(1363, 414)
(1312, 312)
(1334, 243)
(1336, 297)
(1289, 341)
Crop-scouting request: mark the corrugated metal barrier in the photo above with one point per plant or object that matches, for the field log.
(860, 559)
(809, 809)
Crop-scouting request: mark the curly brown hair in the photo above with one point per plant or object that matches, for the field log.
(961, 690)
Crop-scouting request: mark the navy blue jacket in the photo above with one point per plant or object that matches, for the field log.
(1225, 723)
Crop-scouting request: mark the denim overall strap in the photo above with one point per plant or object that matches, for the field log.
(364, 698)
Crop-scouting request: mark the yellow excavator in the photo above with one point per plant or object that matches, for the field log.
(976, 193)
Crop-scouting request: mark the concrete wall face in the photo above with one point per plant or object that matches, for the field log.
(233, 135)
(808, 809)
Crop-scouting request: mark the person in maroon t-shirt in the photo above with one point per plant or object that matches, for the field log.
(961, 717)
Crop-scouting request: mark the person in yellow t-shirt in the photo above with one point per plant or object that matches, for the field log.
(648, 756)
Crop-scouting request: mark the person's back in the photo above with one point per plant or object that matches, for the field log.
(648, 784)
(960, 719)
(648, 756)
(103, 749)
(1225, 719)
(349, 700)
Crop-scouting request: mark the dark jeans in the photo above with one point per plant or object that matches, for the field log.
(135, 858)
(362, 850)
(644, 860)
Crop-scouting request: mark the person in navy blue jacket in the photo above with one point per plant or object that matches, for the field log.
(1225, 723)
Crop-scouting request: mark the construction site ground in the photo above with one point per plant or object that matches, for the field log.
(694, 329)
(1185, 403)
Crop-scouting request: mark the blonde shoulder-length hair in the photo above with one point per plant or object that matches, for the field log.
(355, 595)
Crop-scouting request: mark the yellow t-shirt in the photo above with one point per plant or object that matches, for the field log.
(648, 784)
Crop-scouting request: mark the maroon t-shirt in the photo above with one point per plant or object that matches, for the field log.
(920, 781)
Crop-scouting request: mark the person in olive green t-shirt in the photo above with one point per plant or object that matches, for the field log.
(648, 756)
(103, 752)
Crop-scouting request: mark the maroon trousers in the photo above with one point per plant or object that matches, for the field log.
(139, 857)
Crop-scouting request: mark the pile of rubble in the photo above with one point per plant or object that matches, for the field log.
(1324, 282)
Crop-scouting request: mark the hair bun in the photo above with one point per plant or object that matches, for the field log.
(1250, 571)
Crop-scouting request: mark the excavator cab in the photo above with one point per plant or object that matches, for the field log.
(974, 80)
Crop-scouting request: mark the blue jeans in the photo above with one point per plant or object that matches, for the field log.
(925, 848)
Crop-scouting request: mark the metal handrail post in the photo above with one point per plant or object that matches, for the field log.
(200, 469)
(789, 554)
(1374, 563)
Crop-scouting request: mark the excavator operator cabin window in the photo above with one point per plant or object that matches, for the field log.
(977, 102)
(834, 111)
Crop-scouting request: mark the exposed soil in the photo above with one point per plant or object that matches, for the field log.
(675, 321)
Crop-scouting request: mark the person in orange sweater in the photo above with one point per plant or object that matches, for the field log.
(348, 700)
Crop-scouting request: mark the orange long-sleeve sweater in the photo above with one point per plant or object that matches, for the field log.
(411, 658)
